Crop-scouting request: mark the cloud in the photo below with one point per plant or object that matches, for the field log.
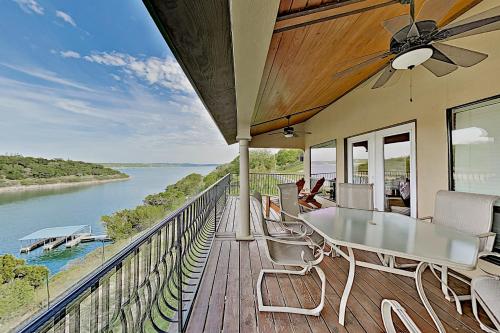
(65, 17)
(164, 72)
(70, 54)
(47, 76)
(30, 6)
(133, 124)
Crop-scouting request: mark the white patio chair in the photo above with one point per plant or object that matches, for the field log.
(290, 209)
(468, 212)
(357, 196)
(390, 305)
(485, 290)
(304, 254)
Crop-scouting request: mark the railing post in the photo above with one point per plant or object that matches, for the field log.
(179, 275)
(215, 207)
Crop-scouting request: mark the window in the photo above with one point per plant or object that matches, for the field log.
(324, 164)
(475, 150)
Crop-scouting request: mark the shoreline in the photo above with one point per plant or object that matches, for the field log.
(37, 187)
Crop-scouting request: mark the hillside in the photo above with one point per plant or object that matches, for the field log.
(153, 165)
(128, 222)
(19, 170)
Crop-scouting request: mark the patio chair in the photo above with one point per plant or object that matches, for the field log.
(468, 212)
(308, 200)
(357, 196)
(304, 254)
(390, 305)
(485, 290)
(290, 209)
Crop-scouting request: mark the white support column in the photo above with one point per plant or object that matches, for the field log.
(243, 232)
(307, 166)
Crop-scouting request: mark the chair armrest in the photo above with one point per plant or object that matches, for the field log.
(487, 253)
(286, 225)
(283, 240)
(290, 215)
(488, 239)
(426, 218)
(305, 208)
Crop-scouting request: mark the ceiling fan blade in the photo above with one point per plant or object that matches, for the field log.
(276, 133)
(461, 57)
(386, 75)
(438, 55)
(303, 132)
(438, 67)
(362, 61)
(434, 10)
(486, 21)
(395, 24)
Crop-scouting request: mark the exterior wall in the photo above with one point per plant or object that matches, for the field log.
(365, 110)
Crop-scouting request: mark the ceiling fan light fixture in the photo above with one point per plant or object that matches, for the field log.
(412, 58)
(288, 135)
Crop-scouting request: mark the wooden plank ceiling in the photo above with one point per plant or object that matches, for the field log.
(315, 39)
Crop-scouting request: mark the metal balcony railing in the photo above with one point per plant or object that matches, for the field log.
(151, 284)
(266, 183)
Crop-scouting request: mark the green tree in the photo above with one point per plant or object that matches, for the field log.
(33, 275)
(285, 157)
(262, 161)
(8, 264)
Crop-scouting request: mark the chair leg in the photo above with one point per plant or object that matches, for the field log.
(387, 306)
(308, 312)
(475, 312)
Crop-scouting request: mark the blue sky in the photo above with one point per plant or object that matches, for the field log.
(94, 80)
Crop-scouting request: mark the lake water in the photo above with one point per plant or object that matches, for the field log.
(22, 213)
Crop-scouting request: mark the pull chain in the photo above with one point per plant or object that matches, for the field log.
(411, 85)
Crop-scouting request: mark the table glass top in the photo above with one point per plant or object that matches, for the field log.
(395, 234)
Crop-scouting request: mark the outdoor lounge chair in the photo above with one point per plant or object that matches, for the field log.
(308, 200)
(467, 212)
(357, 196)
(304, 254)
(485, 290)
(390, 305)
(300, 185)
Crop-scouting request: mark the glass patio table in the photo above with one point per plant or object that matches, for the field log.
(393, 235)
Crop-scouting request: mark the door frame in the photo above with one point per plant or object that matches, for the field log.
(376, 161)
(370, 137)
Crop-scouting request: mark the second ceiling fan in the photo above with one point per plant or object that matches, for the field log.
(288, 131)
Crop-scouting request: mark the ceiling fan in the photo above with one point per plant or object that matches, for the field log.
(288, 131)
(416, 40)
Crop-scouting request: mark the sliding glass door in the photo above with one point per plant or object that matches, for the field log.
(386, 159)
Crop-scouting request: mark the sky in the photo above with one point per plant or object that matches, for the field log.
(94, 80)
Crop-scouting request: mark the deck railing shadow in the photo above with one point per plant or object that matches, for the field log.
(151, 284)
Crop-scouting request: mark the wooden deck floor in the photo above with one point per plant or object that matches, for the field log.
(226, 301)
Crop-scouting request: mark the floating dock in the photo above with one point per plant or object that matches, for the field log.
(55, 243)
(51, 238)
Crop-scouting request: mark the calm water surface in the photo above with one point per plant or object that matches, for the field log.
(25, 212)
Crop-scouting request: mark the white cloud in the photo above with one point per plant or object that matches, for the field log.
(70, 54)
(46, 75)
(65, 17)
(30, 6)
(164, 72)
(131, 125)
